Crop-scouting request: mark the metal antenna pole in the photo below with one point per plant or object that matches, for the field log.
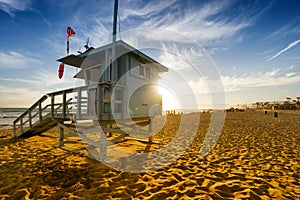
(114, 65)
(115, 20)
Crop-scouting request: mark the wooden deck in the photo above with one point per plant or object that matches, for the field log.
(74, 104)
(57, 107)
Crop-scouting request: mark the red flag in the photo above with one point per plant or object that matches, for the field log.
(70, 32)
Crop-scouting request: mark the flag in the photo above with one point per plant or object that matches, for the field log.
(70, 32)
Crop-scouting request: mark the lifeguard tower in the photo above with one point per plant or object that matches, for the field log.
(120, 92)
(120, 89)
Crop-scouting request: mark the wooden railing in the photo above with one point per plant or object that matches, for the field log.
(32, 115)
(86, 102)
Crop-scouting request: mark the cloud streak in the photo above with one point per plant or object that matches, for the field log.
(16, 60)
(146, 11)
(31, 89)
(11, 96)
(291, 45)
(11, 6)
(260, 79)
(47, 79)
(207, 23)
(289, 29)
(244, 82)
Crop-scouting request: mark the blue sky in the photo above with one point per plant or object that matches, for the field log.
(255, 45)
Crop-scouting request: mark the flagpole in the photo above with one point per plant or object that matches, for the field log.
(114, 63)
(115, 20)
(68, 45)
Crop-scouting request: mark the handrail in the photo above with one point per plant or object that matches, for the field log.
(61, 108)
(61, 105)
(43, 98)
(70, 90)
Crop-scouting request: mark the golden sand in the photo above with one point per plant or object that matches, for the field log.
(256, 157)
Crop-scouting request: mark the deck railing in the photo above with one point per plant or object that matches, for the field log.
(31, 116)
(86, 102)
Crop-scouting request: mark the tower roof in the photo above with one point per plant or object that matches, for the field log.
(91, 56)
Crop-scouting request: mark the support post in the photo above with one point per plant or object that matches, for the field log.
(114, 66)
(150, 131)
(102, 146)
(40, 111)
(64, 102)
(52, 106)
(102, 102)
(15, 130)
(109, 134)
(21, 124)
(78, 114)
(98, 103)
(60, 137)
(106, 67)
(29, 118)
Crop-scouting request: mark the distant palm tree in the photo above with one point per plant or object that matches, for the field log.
(294, 104)
(298, 102)
(277, 106)
(266, 105)
(287, 103)
(259, 105)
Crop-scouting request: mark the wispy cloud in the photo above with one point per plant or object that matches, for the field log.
(207, 24)
(98, 30)
(50, 80)
(291, 28)
(177, 57)
(292, 67)
(263, 52)
(146, 11)
(198, 25)
(11, 6)
(31, 88)
(233, 83)
(17, 97)
(16, 60)
(291, 45)
(26, 81)
(47, 79)
(274, 77)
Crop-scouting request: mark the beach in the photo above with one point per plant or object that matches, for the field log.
(257, 156)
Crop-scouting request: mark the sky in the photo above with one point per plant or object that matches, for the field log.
(252, 47)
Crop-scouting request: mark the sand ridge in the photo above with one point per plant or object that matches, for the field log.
(257, 157)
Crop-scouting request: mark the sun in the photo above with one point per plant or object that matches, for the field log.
(170, 100)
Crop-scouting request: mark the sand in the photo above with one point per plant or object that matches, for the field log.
(256, 157)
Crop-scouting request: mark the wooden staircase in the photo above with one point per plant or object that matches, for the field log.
(44, 114)
(91, 102)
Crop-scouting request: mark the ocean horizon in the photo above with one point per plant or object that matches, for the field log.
(8, 115)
